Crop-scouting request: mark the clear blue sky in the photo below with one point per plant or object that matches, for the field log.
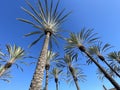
(102, 15)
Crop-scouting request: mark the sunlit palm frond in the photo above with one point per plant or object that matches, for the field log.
(46, 19)
(99, 48)
(56, 72)
(78, 73)
(15, 52)
(84, 37)
(52, 58)
(114, 56)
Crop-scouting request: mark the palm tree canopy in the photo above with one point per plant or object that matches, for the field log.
(114, 56)
(15, 52)
(70, 61)
(99, 48)
(46, 19)
(84, 38)
(51, 56)
(56, 72)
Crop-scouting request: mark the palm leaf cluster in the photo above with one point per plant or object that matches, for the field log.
(14, 53)
(46, 19)
(83, 38)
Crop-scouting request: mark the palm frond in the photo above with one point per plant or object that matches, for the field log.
(32, 15)
(99, 48)
(32, 33)
(15, 52)
(114, 56)
(36, 41)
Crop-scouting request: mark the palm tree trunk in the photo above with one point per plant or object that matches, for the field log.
(103, 59)
(6, 67)
(112, 68)
(46, 81)
(104, 72)
(56, 81)
(36, 83)
(75, 78)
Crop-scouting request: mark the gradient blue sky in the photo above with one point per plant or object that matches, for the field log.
(102, 15)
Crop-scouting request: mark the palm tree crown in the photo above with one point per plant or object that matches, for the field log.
(47, 19)
(79, 40)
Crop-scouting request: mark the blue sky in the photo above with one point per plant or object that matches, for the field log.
(102, 15)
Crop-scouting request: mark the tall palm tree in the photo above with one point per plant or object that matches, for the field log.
(73, 69)
(47, 20)
(79, 42)
(51, 58)
(55, 73)
(98, 50)
(14, 53)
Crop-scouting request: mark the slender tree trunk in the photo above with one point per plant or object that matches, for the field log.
(36, 83)
(104, 72)
(46, 81)
(112, 68)
(103, 59)
(6, 67)
(74, 77)
(56, 81)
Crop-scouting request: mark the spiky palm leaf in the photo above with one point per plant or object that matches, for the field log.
(98, 50)
(14, 53)
(46, 19)
(84, 38)
(56, 72)
(70, 61)
(114, 58)
(51, 57)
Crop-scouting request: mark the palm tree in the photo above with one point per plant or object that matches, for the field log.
(73, 69)
(55, 73)
(51, 58)
(48, 21)
(14, 53)
(79, 42)
(114, 58)
(98, 50)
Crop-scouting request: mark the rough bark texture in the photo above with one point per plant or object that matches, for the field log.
(36, 83)
(116, 85)
(46, 81)
(5, 68)
(56, 81)
(75, 78)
